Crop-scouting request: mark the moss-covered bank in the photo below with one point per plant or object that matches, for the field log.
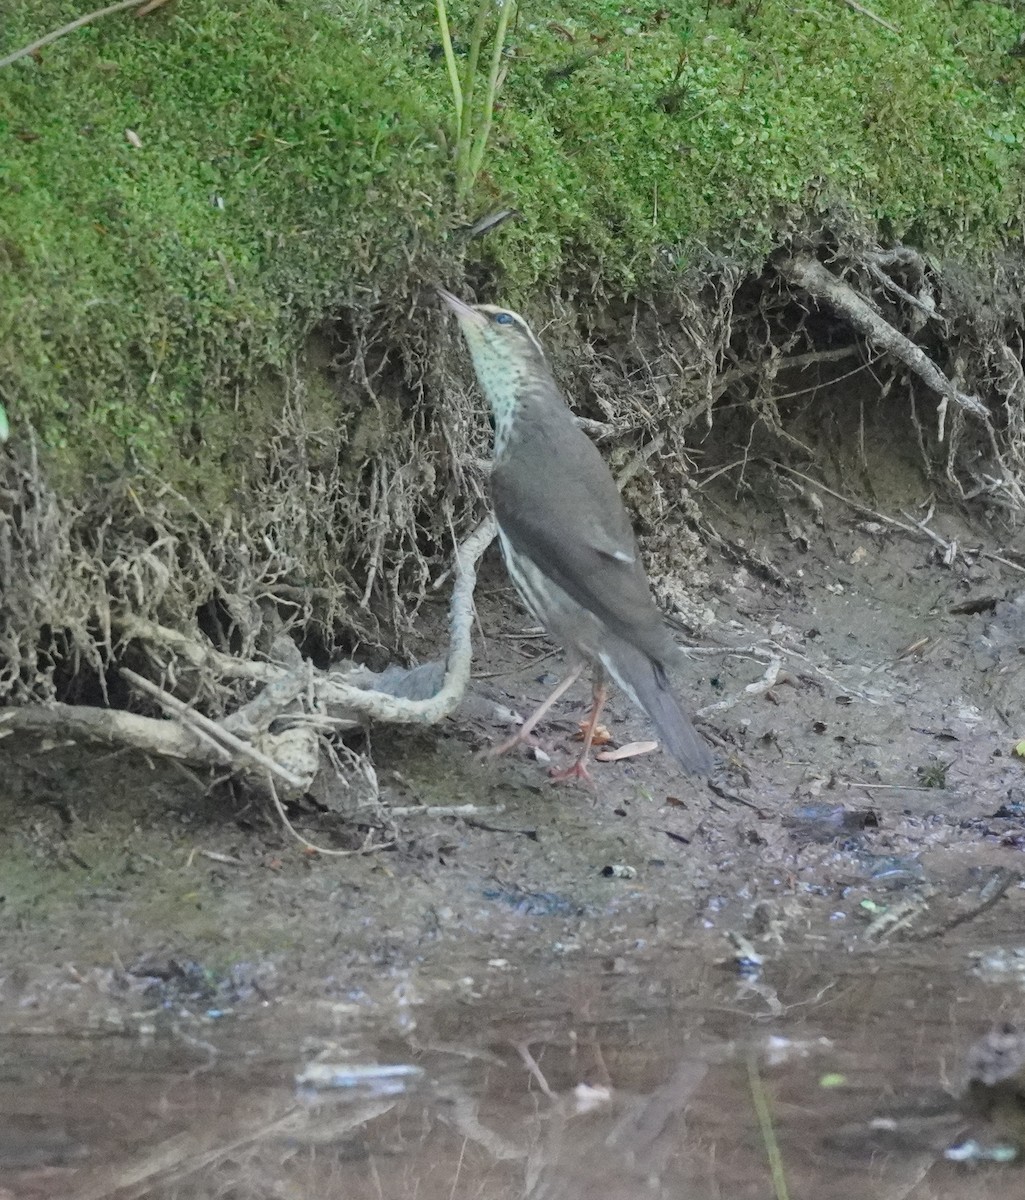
(184, 197)
(292, 162)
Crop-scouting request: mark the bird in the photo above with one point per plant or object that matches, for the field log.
(567, 540)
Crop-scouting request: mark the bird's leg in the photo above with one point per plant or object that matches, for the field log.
(525, 729)
(578, 770)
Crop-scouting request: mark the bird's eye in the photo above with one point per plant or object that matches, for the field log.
(503, 318)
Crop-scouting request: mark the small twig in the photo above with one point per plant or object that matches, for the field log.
(445, 810)
(993, 891)
(855, 504)
(70, 28)
(490, 221)
(878, 273)
(867, 12)
(528, 832)
(530, 1062)
(227, 860)
(728, 793)
(794, 362)
(891, 787)
(915, 529)
(923, 527)
(769, 680)
(366, 848)
(998, 558)
(530, 665)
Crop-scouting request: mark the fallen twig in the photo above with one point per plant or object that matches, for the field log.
(867, 12)
(759, 688)
(369, 846)
(889, 787)
(445, 810)
(727, 793)
(994, 890)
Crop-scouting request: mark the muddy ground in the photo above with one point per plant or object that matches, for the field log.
(660, 986)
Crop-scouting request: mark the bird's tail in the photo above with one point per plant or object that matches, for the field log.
(646, 683)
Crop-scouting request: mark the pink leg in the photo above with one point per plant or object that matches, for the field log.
(579, 770)
(525, 729)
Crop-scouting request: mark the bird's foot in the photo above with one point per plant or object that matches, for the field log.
(577, 770)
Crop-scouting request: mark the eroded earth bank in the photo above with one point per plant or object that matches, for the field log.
(661, 986)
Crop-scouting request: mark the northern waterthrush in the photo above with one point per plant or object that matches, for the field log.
(566, 537)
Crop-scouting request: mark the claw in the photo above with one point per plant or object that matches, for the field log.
(577, 770)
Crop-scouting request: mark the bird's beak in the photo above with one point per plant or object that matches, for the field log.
(466, 314)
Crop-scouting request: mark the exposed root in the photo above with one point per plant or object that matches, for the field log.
(810, 275)
(273, 740)
(984, 441)
(150, 735)
(216, 735)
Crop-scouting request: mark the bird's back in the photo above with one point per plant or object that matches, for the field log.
(566, 515)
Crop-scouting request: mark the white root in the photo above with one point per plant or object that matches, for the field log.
(300, 700)
(148, 734)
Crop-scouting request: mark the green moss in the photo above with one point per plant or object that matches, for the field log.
(292, 162)
(719, 128)
(277, 162)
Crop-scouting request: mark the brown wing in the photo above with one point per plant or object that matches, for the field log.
(565, 513)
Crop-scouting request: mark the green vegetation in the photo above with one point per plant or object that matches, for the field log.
(472, 124)
(280, 166)
(292, 160)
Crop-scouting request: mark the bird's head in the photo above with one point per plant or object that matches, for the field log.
(500, 341)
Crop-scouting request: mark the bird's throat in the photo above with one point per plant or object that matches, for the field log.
(502, 388)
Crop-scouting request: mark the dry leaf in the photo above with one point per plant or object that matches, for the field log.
(133, 139)
(630, 750)
(602, 737)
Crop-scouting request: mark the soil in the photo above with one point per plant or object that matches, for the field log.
(657, 986)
